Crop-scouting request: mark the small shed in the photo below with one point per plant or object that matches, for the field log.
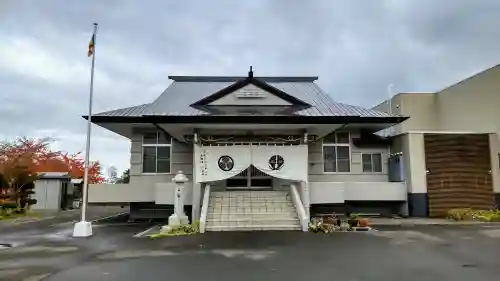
(52, 190)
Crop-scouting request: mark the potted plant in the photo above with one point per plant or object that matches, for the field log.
(331, 220)
(363, 222)
(344, 226)
(353, 220)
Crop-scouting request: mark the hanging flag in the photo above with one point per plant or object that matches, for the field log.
(91, 45)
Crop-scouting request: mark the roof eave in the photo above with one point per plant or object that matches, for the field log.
(248, 119)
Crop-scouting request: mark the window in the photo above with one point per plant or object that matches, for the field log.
(337, 152)
(156, 152)
(372, 163)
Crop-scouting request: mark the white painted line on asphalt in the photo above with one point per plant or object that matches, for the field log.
(142, 233)
(108, 217)
(94, 221)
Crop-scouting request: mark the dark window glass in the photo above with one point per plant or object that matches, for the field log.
(164, 138)
(149, 159)
(150, 138)
(163, 159)
(329, 156)
(377, 162)
(343, 159)
(261, 182)
(329, 139)
(367, 163)
(343, 137)
(236, 182)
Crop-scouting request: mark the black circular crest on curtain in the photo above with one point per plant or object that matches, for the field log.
(226, 163)
(276, 162)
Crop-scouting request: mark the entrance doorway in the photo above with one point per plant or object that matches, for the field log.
(251, 178)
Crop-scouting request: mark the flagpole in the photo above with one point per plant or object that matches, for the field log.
(84, 228)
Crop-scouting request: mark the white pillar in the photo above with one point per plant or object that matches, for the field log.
(196, 203)
(305, 185)
(178, 217)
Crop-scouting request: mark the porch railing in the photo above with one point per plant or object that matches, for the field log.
(204, 209)
(299, 207)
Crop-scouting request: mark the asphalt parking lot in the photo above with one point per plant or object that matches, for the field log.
(391, 253)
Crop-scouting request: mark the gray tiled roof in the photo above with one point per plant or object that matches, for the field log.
(185, 90)
(133, 111)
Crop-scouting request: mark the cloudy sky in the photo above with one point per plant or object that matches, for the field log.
(356, 48)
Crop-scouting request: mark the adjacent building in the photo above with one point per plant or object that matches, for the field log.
(450, 144)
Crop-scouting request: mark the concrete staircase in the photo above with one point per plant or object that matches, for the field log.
(250, 211)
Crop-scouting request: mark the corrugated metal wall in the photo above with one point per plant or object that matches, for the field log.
(459, 174)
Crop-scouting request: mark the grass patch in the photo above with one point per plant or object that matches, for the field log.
(182, 230)
(467, 214)
(14, 214)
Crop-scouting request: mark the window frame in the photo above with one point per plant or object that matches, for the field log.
(371, 163)
(156, 145)
(336, 144)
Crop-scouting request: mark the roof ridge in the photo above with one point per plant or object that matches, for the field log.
(269, 79)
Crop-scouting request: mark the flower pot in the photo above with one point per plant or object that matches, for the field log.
(363, 223)
(352, 222)
(331, 220)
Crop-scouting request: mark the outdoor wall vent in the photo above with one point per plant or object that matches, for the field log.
(250, 94)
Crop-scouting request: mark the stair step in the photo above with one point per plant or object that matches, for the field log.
(290, 213)
(252, 192)
(251, 206)
(252, 217)
(247, 199)
(252, 228)
(250, 211)
(252, 222)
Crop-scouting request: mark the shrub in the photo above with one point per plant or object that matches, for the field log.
(474, 215)
(460, 214)
(185, 229)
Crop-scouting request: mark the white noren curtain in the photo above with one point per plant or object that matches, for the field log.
(234, 159)
(287, 162)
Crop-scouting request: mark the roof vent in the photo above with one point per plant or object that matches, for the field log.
(250, 94)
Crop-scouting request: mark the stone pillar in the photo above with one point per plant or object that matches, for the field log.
(178, 217)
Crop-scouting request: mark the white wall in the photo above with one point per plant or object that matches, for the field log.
(120, 193)
(326, 192)
(161, 193)
(338, 192)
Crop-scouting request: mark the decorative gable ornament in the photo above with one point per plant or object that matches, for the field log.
(260, 90)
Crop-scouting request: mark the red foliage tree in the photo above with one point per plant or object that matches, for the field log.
(16, 166)
(71, 163)
(35, 156)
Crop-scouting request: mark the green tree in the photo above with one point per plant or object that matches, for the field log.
(125, 177)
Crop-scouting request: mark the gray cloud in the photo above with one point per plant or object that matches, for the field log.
(356, 47)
